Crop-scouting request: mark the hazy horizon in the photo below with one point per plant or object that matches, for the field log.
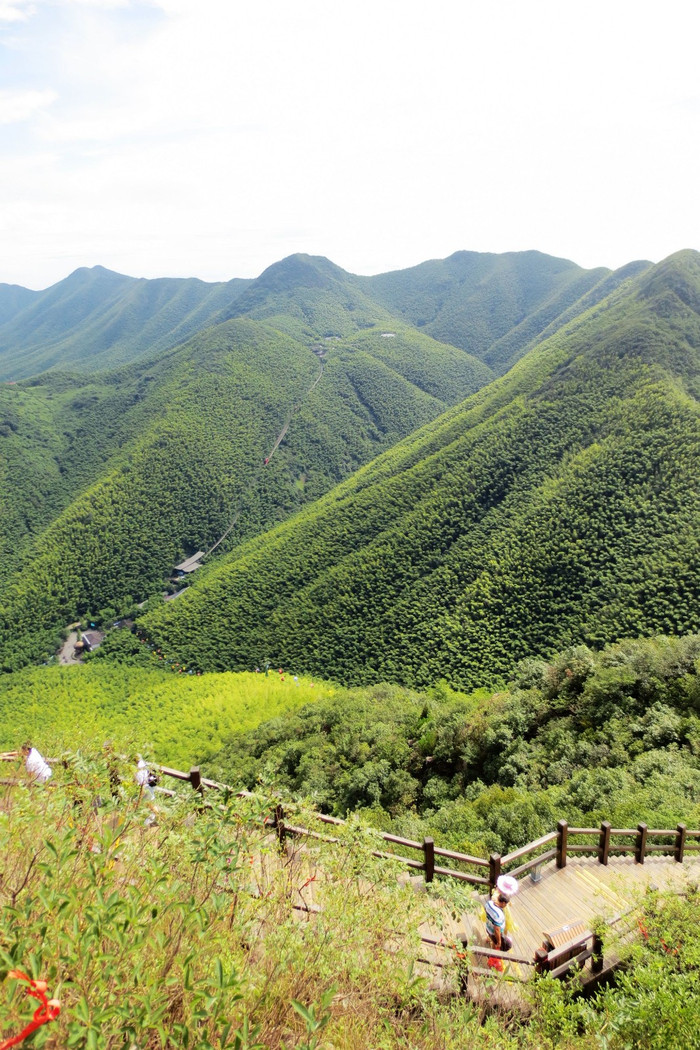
(206, 139)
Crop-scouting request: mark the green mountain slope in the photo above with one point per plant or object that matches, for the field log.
(559, 504)
(109, 480)
(310, 297)
(492, 306)
(13, 298)
(98, 319)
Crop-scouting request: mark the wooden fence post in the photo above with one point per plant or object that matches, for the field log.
(279, 824)
(196, 780)
(640, 843)
(429, 854)
(562, 842)
(494, 869)
(597, 959)
(604, 842)
(680, 843)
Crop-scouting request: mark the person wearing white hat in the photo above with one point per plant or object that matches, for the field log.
(499, 924)
(507, 886)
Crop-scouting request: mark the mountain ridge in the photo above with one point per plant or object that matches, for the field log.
(449, 564)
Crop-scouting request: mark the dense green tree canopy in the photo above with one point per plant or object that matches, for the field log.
(558, 505)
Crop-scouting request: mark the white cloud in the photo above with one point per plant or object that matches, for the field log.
(16, 10)
(211, 137)
(18, 106)
(103, 5)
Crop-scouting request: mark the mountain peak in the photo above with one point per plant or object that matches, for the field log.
(677, 276)
(89, 274)
(300, 271)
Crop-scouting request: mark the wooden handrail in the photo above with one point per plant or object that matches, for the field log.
(541, 858)
(464, 857)
(495, 863)
(461, 876)
(516, 854)
(398, 841)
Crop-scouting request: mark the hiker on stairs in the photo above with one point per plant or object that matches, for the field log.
(499, 921)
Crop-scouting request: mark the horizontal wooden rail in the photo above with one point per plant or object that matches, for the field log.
(465, 858)
(325, 818)
(383, 855)
(491, 953)
(292, 829)
(461, 944)
(176, 774)
(462, 876)
(516, 854)
(677, 844)
(541, 858)
(398, 841)
(442, 942)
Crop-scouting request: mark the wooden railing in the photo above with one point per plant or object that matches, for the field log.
(555, 846)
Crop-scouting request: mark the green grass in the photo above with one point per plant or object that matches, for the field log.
(179, 718)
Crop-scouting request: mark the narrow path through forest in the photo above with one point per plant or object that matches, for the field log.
(280, 438)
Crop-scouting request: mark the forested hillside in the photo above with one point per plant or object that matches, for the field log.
(97, 319)
(494, 306)
(490, 306)
(586, 737)
(557, 506)
(110, 480)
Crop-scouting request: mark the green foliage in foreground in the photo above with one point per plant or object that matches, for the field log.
(181, 717)
(590, 736)
(183, 935)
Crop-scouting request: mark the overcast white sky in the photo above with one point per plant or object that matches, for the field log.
(210, 138)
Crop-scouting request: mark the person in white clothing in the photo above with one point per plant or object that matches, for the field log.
(36, 765)
(146, 780)
(143, 778)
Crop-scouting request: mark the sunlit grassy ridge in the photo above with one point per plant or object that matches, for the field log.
(181, 717)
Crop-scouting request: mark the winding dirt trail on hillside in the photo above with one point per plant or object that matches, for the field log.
(280, 438)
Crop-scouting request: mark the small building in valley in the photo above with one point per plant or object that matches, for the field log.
(89, 641)
(189, 564)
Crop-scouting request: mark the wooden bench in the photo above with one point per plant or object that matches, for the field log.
(567, 947)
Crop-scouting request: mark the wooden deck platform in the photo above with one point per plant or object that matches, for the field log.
(582, 892)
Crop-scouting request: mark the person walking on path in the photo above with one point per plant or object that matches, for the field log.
(499, 922)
